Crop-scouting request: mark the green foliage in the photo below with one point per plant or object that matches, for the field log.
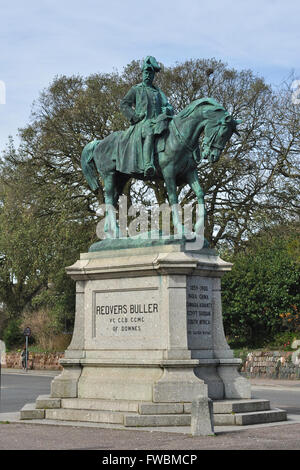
(12, 334)
(35, 247)
(282, 341)
(263, 284)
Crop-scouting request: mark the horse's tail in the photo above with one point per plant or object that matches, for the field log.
(88, 165)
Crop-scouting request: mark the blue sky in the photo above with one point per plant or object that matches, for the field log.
(45, 38)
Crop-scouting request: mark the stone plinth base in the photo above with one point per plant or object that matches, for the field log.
(125, 413)
(149, 330)
(149, 327)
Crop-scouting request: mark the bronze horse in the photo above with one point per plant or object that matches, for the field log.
(175, 164)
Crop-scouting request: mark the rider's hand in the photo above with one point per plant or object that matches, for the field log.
(138, 117)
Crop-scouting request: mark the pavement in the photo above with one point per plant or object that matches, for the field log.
(16, 434)
(265, 382)
(49, 373)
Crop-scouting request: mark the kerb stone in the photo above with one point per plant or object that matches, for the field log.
(202, 417)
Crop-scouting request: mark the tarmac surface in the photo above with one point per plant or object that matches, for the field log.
(108, 440)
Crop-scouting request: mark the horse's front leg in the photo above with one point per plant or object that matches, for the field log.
(193, 181)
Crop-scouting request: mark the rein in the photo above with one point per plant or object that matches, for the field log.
(182, 139)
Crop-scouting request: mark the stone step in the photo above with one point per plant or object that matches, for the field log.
(259, 417)
(30, 411)
(240, 406)
(93, 416)
(157, 420)
(219, 406)
(143, 408)
(256, 417)
(45, 401)
(100, 405)
(234, 419)
(149, 414)
(115, 417)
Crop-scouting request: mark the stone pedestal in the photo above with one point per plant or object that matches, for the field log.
(148, 329)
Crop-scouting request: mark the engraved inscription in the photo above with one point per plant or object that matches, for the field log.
(199, 312)
(125, 318)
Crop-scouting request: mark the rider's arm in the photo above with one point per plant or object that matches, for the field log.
(127, 106)
(166, 106)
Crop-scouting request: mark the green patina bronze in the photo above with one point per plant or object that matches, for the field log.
(157, 145)
(146, 239)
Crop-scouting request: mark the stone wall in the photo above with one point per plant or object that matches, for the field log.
(272, 364)
(37, 361)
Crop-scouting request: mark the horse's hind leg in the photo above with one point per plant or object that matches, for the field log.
(173, 201)
(111, 227)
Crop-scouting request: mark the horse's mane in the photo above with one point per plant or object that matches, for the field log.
(194, 104)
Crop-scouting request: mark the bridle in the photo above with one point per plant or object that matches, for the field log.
(209, 143)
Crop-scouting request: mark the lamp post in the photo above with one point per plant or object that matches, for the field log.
(27, 333)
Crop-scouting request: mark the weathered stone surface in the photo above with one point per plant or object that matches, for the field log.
(65, 384)
(30, 411)
(178, 384)
(103, 405)
(118, 381)
(269, 416)
(160, 408)
(240, 406)
(224, 419)
(45, 402)
(202, 420)
(157, 420)
(95, 416)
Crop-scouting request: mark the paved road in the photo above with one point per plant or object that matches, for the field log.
(19, 389)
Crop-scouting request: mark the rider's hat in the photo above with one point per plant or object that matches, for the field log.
(150, 63)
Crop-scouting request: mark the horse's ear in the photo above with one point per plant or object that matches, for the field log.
(228, 118)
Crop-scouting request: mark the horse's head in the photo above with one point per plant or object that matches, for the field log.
(217, 132)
